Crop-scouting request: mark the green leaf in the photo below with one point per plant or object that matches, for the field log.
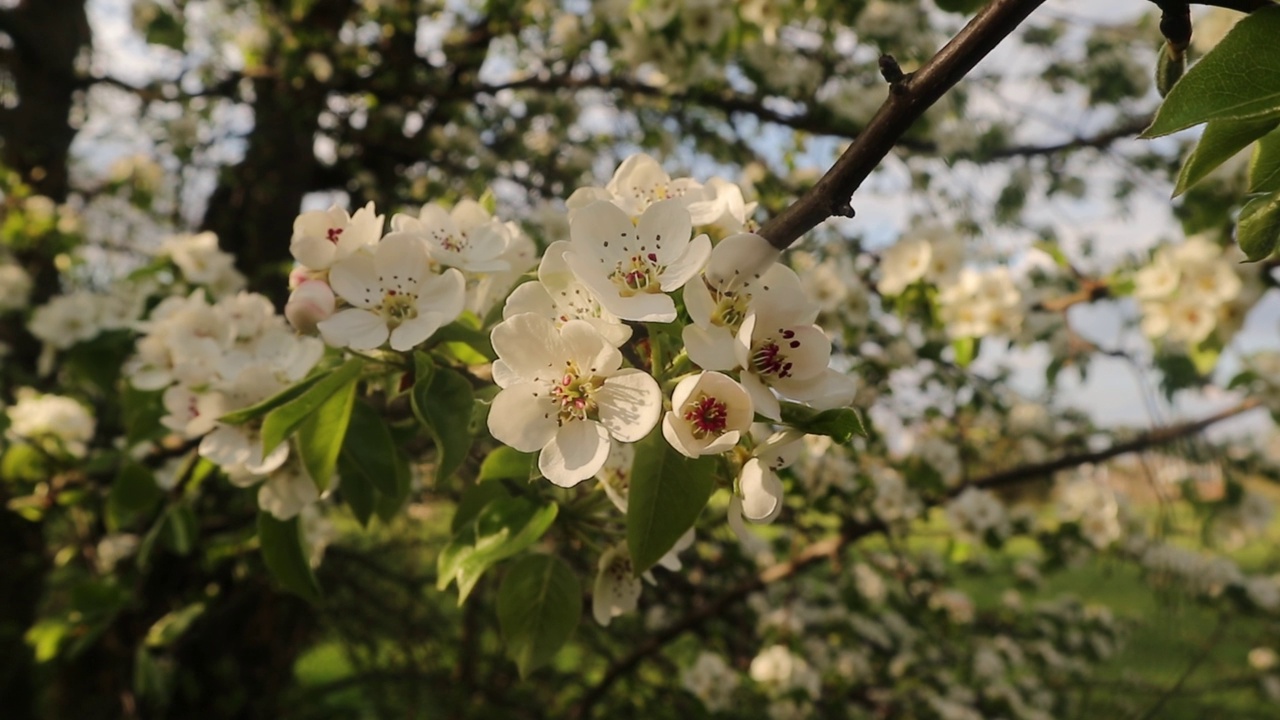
(442, 401)
(1238, 78)
(321, 435)
(539, 605)
(283, 421)
(356, 490)
(473, 500)
(142, 410)
(501, 529)
(840, 424)
(1264, 166)
(1221, 140)
(133, 492)
(1258, 230)
(172, 625)
(22, 462)
(668, 491)
(471, 338)
(506, 463)
(389, 505)
(966, 349)
(286, 556)
(370, 450)
(257, 410)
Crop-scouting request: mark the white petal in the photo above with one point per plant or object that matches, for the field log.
(503, 375)
(615, 333)
(530, 346)
(711, 348)
(401, 262)
(577, 452)
(285, 494)
(630, 403)
(825, 391)
(412, 333)
(443, 294)
(664, 230)
(676, 431)
(588, 349)
(761, 492)
(530, 297)
(603, 231)
(524, 417)
(688, 265)
(739, 258)
(762, 398)
(355, 280)
(315, 253)
(354, 328)
(617, 590)
(699, 303)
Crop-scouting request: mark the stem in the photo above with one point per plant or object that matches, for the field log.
(907, 101)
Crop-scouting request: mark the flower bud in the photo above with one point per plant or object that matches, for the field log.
(311, 302)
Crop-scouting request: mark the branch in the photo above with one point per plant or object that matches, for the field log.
(852, 532)
(1154, 438)
(908, 101)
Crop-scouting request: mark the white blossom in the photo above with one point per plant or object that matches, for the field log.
(709, 413)
(324, 237)
(566, 396)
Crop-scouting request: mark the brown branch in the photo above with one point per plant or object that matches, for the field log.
(851, 533)
(1154, 438)
(904, 106)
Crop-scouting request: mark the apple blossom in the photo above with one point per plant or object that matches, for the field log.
(394, 296)
(640, 182)
(710, 412)
(617, 589)
(324, 237)
(15, 287)
(566, 396)
(56, 424)
(630, 267)
(558, 295)
(791, 359)
(466, 237)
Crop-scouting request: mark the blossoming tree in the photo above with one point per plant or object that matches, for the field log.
(453, 350)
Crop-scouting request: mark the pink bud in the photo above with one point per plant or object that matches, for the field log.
(301, 274)
(310, 303)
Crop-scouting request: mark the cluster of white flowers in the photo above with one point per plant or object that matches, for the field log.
(363, 289)
(565, 393)
(15, 286)
(214, 358)
(1092, 505)
(978, 513)
(1190, 290)
(57, 425)
(711, 680)
(82, 315)
(971, 303)
(203, 263)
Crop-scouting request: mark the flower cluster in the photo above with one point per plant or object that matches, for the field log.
(56, 425)
(214, 358)
(633, 255)
(363, 288)
(1190, 290)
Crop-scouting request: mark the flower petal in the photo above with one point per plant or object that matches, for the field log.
(603, 231)
(762, 398)
(664, 230)
(588, 349)
(354, 328)
(689, 264)
(711, 348)
(577, 452)
(355, 279)
(401, 262)
(630, 404)
(761, 492)
(530, 346)
(524, 417)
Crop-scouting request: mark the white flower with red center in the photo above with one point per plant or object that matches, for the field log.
(466, 237)
(792, 360)
(741, 277)
(630, 267)
(324, 237)
(709, 414)
(394, 296)
(640, 182)
(566, 396)
(559, 295)
(617, 589)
